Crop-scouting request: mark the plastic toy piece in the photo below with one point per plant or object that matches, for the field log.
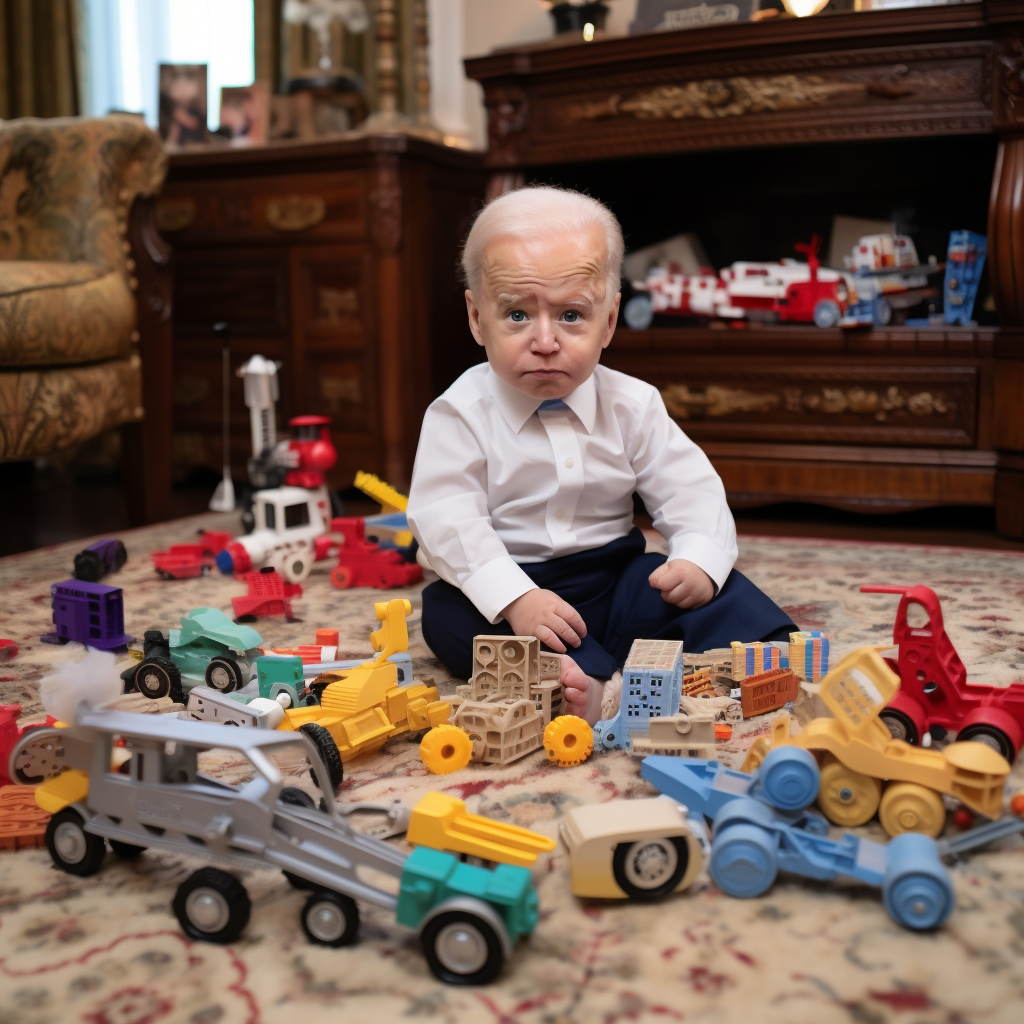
(392, 521)
(91, 613)
(9, 733)
(361, 563)
(362, 707)
(652, 683)
(268, 594)
(964, 261)
(208, 705)
(858, 754)
(22, 823)
(8, 650)
(442, 823)
(754, 838)
(768, 691)
(640, 849)
(95, 561)
(755, 659)
(678, 735)
(182, 561)
(934, 691)
(467, 917)
(808, 655)
(514, 695)
(886, 273)
(209, 649)
(568, 740)
(445, 749)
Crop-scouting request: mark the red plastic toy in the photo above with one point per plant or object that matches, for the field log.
(268, 595)
(361, 563)
(933, 682)
(311, 451)
(183, 560)
(8, 650)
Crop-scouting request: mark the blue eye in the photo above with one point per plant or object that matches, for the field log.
(570, 316)
(517, 316)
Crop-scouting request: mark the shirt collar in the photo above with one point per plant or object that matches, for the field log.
(517, 408)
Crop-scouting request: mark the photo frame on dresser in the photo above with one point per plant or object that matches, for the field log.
(670, 15)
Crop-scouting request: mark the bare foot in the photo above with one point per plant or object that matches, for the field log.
(582, 692)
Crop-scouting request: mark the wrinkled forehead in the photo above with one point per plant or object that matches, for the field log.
(548, 262)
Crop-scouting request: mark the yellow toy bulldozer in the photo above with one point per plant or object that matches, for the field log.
(864, 769)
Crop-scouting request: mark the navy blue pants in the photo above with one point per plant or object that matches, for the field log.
(608, 587)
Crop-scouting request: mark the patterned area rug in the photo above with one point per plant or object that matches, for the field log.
(107, 950)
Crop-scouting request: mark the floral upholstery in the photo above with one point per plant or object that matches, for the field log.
(68, 369)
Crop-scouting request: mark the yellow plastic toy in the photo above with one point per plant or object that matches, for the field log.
(446, 749)
(568, 740)
(864, 769)
(361, 708)
(390, 499)
(442, 823)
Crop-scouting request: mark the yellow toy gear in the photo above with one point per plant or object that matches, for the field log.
(568, 740)
(446, 748)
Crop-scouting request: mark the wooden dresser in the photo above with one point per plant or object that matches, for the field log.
(753, 136)
(336, 258)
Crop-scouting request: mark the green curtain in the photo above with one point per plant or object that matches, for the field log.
(38, 58)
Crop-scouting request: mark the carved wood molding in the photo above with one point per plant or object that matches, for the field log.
(386, 203)
(1009, 77)
(295, 213)
(508, 110)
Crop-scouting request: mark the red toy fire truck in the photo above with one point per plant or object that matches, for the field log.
(933, 682)
(361, 563)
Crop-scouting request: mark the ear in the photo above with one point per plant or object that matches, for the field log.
(613, 319)
(474, 317)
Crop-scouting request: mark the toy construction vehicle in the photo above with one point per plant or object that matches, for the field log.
(362, 707)
(467, 918)
(864, 769)
(509, 708)
(934, 692)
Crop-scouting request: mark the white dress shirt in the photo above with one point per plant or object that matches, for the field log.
(498, 481)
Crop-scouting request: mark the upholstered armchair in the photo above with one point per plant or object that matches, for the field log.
(85, 297)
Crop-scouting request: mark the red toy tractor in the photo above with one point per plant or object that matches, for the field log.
(933, 682)
(362, 563)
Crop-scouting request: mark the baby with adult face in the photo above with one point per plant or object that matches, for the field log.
(522, 489)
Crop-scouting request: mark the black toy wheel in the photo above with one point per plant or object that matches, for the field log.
(120, 556)
(72, 848)
(330, 918)
(462, 948)
(297, 797)
(158, 677)
(212, 906)
(88, 566)
(991, 737)
(901, 725)
(328, 751)
(126, 851)
(224, 675)
(650, 868)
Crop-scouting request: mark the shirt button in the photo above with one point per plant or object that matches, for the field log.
(568, 463)
(559, 513)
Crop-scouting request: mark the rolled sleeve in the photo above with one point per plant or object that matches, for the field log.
(494, 586)
(703, 552)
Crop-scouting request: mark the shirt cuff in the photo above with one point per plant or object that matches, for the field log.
(495, 586)
(703, 552)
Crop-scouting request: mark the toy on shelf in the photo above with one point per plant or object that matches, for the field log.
(761, 826)
(89, 613)
(768, 691)
(99, 559)
(467, 918)
(390, 528)
(208, 649)
(506, 710)
(934, 691)
(787, 291)
(287, 522)
(361, 563)
(808, 654)
(641, 849)
(858, 755)
(886, 274)
(8, 650)
(267, 594)
(182, 561)
(362, 707)
(964, 262)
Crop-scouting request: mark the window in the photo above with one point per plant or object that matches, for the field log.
(127, 40)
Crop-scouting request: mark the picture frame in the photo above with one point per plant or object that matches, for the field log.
(245, 113)
(671, 15)
(182, 104)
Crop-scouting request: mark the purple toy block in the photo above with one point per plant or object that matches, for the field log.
(91, 613)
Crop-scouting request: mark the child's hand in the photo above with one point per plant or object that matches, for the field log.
(682, 583)
(543, 614)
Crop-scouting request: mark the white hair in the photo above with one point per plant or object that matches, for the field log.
(541, 210)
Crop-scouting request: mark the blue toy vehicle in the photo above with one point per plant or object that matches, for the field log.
(761, 824)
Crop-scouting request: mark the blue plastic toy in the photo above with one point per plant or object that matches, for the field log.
(761, 825)
(964, 261)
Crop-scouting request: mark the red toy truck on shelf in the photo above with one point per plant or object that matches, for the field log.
(361, 563)
(933, 682)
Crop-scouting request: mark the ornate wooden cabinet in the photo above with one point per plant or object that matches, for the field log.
(745, 134)
(335, 258)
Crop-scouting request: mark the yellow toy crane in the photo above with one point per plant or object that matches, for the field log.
(864, 769)
(392, 502)
(362, 707)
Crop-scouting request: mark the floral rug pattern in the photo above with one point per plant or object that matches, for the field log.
(107, 949)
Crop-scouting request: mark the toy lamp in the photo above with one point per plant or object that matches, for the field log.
(803, 8)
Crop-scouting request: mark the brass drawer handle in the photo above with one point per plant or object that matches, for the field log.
(295, 213)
